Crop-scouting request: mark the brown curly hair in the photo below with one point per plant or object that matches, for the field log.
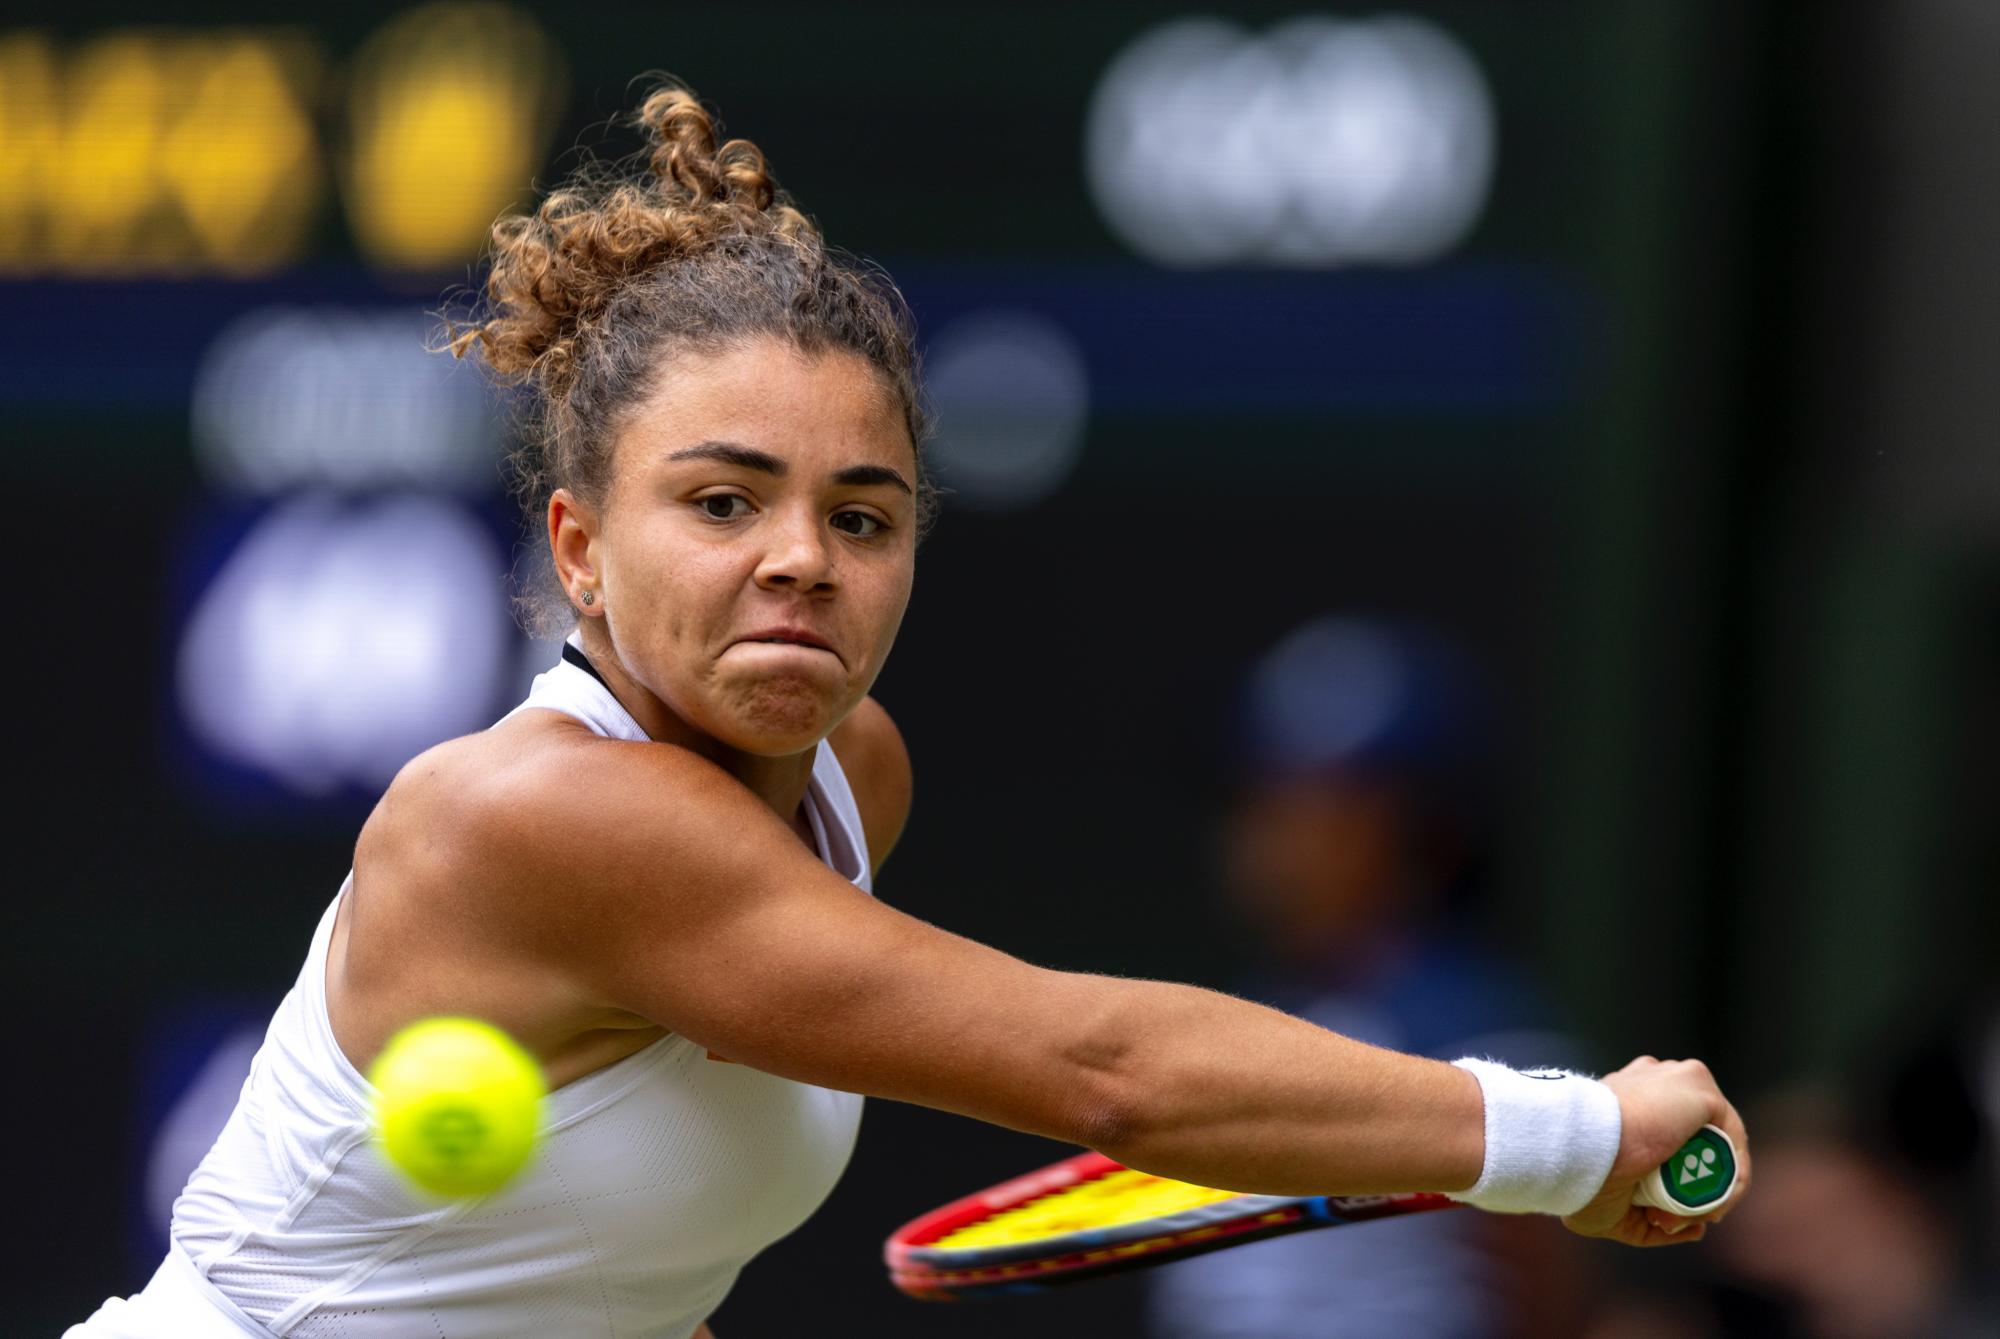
(692, 248)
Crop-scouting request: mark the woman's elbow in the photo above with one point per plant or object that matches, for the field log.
(1102, 1103)
(1108, 1119)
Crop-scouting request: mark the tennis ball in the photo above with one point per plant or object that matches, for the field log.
(458, 1105)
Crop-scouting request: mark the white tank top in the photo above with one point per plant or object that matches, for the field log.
(656, 1179)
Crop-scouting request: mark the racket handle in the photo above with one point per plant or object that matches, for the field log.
(1695, 1179)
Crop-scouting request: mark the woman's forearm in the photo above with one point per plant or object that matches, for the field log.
(1219, 1091)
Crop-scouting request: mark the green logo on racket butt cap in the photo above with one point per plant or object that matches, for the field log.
(1694, 1180)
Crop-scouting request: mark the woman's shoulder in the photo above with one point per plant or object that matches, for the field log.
(525, 781)
(877, 764)
(464, 802)
(512, 806)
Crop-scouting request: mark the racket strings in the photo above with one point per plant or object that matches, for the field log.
(1122, 1196)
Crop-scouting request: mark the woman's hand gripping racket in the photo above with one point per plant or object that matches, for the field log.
(1088, 1215)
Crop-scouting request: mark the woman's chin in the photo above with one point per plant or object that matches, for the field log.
(779, 719)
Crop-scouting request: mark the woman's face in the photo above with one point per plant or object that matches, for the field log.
(755, 492)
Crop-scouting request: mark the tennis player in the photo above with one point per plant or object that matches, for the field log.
(656, 872)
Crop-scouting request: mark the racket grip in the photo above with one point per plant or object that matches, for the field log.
(1695, 1179)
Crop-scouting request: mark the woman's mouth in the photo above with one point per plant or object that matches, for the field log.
(797, 638)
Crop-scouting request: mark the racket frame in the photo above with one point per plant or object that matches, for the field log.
(922, 1268)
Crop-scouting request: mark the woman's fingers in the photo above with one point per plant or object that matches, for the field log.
(1662, 1102)
(1732, 1125)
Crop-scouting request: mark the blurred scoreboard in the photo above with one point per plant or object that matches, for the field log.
(1256, 134)
(198, 149)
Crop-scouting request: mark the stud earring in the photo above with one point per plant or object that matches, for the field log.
(589, 598)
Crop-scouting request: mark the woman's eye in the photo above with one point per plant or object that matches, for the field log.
(707, 504)
(876, 527)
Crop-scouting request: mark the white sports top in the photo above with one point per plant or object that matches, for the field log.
(657, 1177)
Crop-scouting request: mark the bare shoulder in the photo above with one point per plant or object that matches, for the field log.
(877, 763)
(455, 900)
(505, 812)
(502, 813)
(521, 852)
(447, 806)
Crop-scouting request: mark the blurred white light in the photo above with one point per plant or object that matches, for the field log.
(1012, 400)
(339, 641)
(290, 397)
(1319, 143)
(1171, 149)
(1328, 689)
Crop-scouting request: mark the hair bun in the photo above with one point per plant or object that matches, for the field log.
(685, 155)
(556, 270)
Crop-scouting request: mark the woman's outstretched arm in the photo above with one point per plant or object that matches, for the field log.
(650, 881)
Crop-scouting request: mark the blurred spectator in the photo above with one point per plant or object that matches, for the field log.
(1867, 1225)
(1352, 854)
(1835, 1231)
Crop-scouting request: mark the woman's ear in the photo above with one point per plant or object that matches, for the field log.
(573, 528)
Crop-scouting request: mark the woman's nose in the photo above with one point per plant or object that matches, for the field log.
(799, 555)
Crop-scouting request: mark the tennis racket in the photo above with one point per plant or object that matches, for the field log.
(1090, 1215)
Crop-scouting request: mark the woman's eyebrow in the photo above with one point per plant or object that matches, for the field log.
(858, 476)
(734, 453)
(750, 458)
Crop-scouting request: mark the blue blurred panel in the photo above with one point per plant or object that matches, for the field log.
(1471, 337)
(324, 640)
(136, 344)
(1466, 337)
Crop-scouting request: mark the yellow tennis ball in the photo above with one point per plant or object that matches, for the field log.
(458, 1105)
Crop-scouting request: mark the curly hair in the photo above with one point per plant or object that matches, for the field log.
(692, 249)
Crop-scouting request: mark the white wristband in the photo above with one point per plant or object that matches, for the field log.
(1551, 1137)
